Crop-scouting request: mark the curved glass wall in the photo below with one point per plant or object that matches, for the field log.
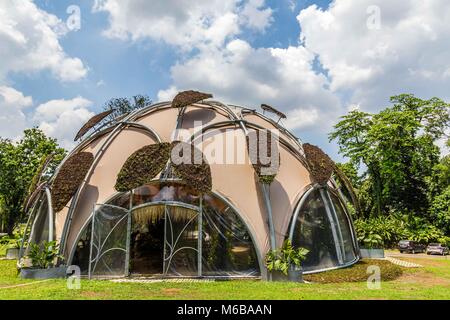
(40, 228)
(322, 227)
(227, 246)
(176, 233)
(347, 244)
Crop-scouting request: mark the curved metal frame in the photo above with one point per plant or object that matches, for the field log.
(120, 126)
(293, 225)
(294, 146)
(51, 218)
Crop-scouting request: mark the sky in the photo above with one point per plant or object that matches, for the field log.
(315, 60)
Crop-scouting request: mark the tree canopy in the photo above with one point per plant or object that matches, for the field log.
(19, 162)
(395, 150)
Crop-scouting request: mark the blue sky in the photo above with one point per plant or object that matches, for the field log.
(312, 59)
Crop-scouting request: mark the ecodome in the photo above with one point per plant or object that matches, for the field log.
(119, 206)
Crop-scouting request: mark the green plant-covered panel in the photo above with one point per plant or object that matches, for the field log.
(142, 166)
(185, 98)
(194, 170)
(69, 178)
(320, 165)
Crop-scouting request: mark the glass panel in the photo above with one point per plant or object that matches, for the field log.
(313, 232)
(347, 246)
(181, 242)
(227, 246)
(83, 249)
(28, 232)
(40, 230)
(122, 200)
(109, 241)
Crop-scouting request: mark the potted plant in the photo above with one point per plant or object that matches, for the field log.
(12, 249)
(43, 257)
(286, 263)
(372, 246)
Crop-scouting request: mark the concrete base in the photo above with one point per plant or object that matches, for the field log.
(372, 253)
(52, 273)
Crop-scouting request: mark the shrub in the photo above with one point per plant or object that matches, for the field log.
(44, 255)
(286, 256)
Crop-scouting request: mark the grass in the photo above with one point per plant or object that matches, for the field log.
(430, 282)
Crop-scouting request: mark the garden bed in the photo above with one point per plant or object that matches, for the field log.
(357, 273)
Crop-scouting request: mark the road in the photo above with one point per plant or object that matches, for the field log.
(396, 254)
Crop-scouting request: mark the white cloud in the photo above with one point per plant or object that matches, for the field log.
(29, 42)
(61, 119)
(184, 23)
(12, 112)
(256, 16)
(408, 53)
(241, 74)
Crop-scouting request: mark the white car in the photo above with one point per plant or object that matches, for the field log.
(437, 248)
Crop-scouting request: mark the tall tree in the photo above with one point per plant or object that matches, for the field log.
(121, 106)
(396, 147)
(18, 165)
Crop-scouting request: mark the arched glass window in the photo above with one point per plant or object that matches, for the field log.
(227, 245)
(322, 227)
(40, 227)
(348, 248)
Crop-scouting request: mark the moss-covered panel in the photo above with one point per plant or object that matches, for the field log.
(69, 178)
(142, 166)
(185, 98)
(320, 164)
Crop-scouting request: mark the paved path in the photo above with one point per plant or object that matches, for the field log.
(402, 263)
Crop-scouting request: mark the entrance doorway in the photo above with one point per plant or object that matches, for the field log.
(164, 241)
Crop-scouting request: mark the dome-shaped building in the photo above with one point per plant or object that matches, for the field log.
(120, 205)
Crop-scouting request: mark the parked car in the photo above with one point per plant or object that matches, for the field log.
(408, 246)
(437, 248)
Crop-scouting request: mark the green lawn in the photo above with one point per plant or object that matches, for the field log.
(431, 282)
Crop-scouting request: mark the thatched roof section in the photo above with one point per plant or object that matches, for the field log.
(185, 98)
(194, 169)
(271, 109)
(266, 172)
(91, 123)
(36, 180)
(151, 214)
(142, 166)
(346, 182)
(29, 201)
(320, 164)
(69, 178)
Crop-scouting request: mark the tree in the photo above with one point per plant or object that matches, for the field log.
(18, 165)
(396, 149)
(121, 106)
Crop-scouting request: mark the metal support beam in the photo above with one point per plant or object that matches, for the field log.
(51, 219)
(200, 238)
(266, 193)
